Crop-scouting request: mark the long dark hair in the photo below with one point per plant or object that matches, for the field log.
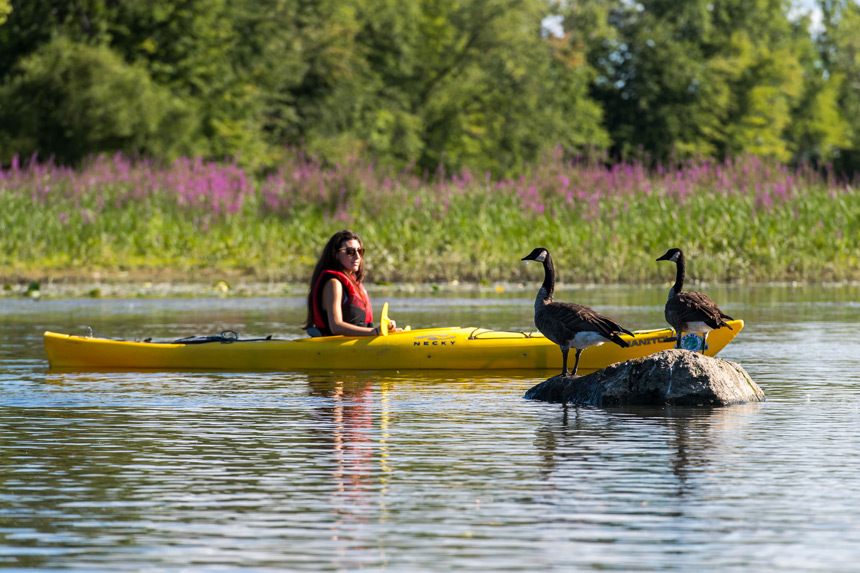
(328, 261)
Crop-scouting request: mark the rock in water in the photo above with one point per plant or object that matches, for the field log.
(670, 377)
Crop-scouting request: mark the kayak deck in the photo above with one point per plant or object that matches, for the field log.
(451, 348)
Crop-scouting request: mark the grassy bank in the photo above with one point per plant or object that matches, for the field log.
(746, 220)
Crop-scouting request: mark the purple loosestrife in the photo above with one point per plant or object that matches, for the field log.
(556, 186)
(208, 187)
(302, 181)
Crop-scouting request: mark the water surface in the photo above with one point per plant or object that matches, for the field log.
(434, 471)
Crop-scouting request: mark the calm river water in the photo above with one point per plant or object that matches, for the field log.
(331, 471)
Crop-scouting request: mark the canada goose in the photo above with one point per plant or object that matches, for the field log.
(690, 311)
(567, 324)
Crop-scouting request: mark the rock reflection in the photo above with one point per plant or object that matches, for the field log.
(676, 441)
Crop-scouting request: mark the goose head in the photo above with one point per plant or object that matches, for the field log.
(676, 256)
(672, 255)
(539, 254)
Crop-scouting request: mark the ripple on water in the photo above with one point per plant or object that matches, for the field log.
(425, 471)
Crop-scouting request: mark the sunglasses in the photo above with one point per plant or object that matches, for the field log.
(351, 251)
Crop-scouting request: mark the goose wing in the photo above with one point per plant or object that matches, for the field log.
(695, 306)
(563, 320)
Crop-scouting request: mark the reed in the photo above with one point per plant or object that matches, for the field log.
(746, 219)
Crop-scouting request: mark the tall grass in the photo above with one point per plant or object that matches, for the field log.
(746, 219)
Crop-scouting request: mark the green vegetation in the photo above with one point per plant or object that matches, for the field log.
(486, 85)
(236, 135)
(745, 220)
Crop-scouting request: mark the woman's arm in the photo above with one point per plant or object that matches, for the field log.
(332, 295)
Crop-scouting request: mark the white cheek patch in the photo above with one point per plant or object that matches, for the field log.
(541, 257)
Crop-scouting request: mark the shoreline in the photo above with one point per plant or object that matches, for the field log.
(239, 289)
(209, 284)
(222, 285)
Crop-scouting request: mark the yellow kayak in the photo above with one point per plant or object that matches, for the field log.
(451, 348)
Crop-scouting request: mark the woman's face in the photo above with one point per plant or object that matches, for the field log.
(350, 255)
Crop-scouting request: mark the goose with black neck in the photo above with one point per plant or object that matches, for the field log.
(689, 311)
(567, 324)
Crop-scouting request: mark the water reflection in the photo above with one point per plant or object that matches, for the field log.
(345, 422)
(684, 442)
(125, 471)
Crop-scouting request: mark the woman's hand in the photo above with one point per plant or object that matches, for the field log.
(392, 327)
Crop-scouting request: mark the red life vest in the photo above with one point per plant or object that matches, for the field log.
(355, 307)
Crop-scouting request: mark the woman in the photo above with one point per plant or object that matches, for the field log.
(337, 300)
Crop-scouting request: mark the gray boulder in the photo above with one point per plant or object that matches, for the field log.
(670, 377)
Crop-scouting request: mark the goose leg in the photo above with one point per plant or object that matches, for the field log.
(564, 351)
(704, 342)
(678, 339)
(576, 364)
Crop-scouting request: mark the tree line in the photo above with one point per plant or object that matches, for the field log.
(481, 84)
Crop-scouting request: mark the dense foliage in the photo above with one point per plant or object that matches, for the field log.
(744, 219)
(483, 84)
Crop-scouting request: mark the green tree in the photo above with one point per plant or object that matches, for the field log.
(316, 106)
(703, 77)
(464, 83)
(198, 49)
(840, 46)
(818, 129)
(71, 100)
(5, 9)
(217, 57)
(461, 82)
